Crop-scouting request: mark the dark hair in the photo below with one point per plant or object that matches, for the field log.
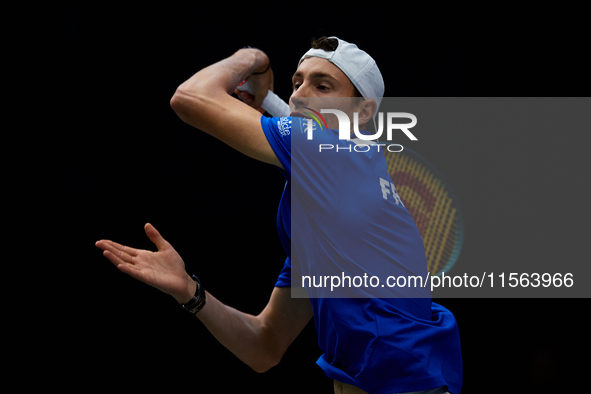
(329, 45)
(325, 43)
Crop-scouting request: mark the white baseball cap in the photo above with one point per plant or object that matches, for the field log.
(358, 66)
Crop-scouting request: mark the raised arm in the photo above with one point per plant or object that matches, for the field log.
(259, 341)
(204, 101)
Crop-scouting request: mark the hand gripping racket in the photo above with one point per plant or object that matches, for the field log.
(272, 103)
(432, 205)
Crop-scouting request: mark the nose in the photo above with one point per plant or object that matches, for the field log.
(296, 101)
(298, 98)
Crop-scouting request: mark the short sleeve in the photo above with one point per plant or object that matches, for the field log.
(278, 133)
(284, 279)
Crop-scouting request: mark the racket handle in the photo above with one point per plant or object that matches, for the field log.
(272, 103)
(275, 106)
(244, 86)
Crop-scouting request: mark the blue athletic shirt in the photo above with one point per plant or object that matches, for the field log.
(345, 214)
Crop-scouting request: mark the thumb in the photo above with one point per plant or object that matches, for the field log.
(155, 236)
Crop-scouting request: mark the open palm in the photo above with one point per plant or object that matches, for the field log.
(164, 269)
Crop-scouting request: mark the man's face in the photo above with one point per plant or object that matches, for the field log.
(319, 84)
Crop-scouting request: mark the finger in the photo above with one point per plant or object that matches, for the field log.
(130, 270)
(155, 236)
(120, 255)
(246, 97)
(256, 101)
(116, 260)
(114, 246)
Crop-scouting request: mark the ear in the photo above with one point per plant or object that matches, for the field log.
(367, 109)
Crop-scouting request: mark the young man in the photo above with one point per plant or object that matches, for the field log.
(370, 344)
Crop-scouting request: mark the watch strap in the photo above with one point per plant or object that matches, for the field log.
(196, 303)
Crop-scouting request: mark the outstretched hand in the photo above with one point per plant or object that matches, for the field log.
(164, 269)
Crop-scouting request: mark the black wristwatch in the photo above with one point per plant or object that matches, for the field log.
(198, 301)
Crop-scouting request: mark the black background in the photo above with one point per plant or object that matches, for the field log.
(129, 160)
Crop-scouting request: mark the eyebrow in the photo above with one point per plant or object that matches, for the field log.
(315, 75)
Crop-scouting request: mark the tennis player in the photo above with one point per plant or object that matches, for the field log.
(370, 344)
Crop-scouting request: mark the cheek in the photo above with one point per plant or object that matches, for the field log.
(331, 121)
